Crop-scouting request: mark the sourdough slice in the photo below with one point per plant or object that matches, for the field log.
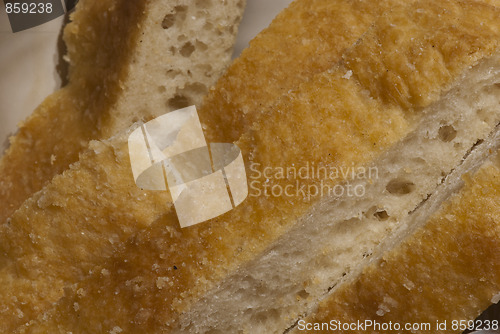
(385, 105)
(111, 221)
(434, 270)
(119, 51)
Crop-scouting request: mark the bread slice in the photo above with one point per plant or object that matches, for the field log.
(434, 271)
(108, 226)
(411, 99)
(119, 51)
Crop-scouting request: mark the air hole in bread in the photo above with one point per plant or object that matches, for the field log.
(178, 14)
(418, 161)
(162, 89)
(302, 294)
(172, 74)
(447, 133)
(168, 21)
(179, 102)
(187, 49)
(182, 38)
(181, 12)
(205, 69)
(482, 114)
(381, 215)
(400, 187)
(203, 3)
(377, 213)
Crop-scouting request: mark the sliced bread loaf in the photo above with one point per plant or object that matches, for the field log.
(410, 99)
(111, 222)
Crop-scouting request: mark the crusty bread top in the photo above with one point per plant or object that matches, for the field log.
(305, 39)
(330, 119)
(109, 67)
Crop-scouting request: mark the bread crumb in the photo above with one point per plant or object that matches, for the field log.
(347, 75)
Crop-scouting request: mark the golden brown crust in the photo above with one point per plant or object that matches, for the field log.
(320, 55)
(448, 270)
(50, 139)
(35, 157)
(118, 52)
(329, 106)
(65, 227)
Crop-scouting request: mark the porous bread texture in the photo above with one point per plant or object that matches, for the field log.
(154, 283)
(70, 227)
(177, 69)
(306, 27)
(447, 270)
(119, 51)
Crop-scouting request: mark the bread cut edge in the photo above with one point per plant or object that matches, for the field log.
(440, 266)
(119, 52)
(337, 240)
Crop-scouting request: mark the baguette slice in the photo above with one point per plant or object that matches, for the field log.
(442, 269)
(96, 231)
(119, 51)
(410, 98)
